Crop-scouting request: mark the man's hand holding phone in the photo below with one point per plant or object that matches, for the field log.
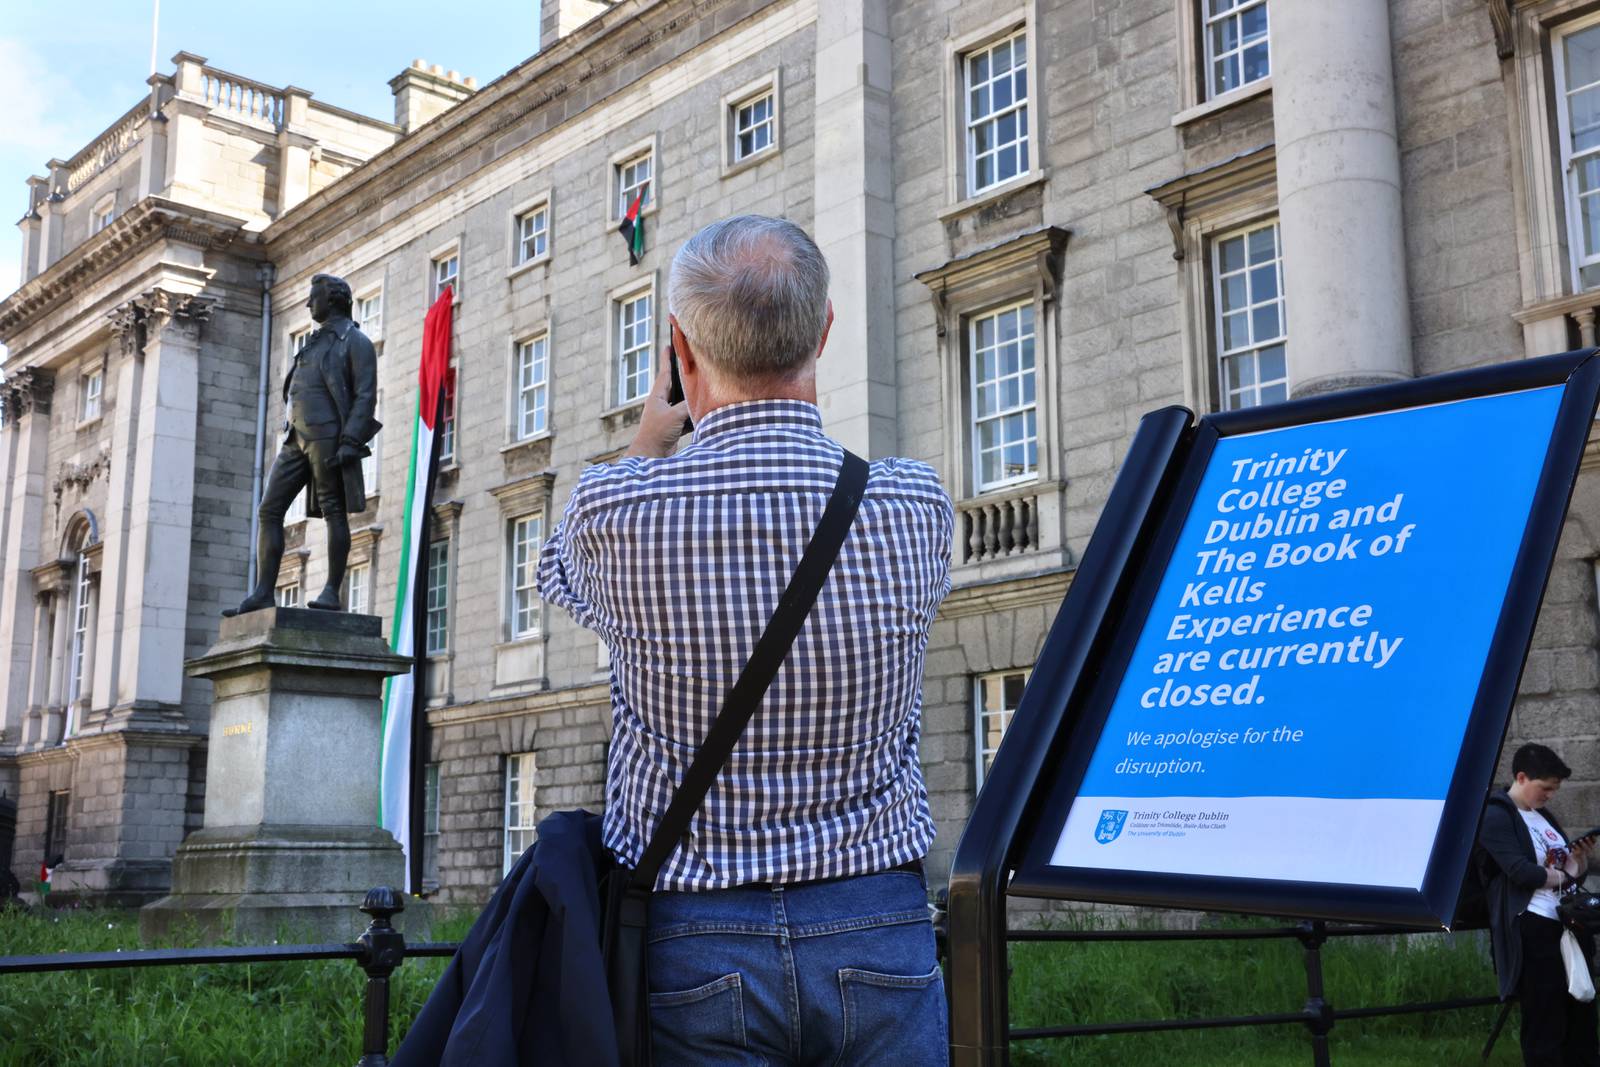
(662, 422)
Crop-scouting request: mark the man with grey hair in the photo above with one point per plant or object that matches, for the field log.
(790, 923)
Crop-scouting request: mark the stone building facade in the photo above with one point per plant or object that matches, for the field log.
(128, 407)
(1044, 218)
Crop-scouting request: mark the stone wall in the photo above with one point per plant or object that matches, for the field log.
(569, 744)
(1456, 161)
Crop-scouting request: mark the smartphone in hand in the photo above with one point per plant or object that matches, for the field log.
(675, 386)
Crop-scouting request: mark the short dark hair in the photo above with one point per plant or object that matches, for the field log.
(337, 288)
(1537, 761)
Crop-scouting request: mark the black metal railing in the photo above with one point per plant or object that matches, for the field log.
(379, 951)
(1318, 1014)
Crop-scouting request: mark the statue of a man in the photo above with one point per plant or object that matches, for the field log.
(329, 397)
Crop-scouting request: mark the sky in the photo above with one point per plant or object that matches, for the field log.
(67, 71)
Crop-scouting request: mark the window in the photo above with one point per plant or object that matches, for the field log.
(369, 314)
(104, 215)
(1005, 420)
(81, 633)
(633, 348)
(299, 338)
(996, 92)
(438, 619)
(430, 823)
(288, 596)
(1250, 324)
(1577, 61)
(55, 826)
(445, 271)
(358, 589)
(296, 511)
(369, 462)
(90, 388)
(1237, 51)
(519, 806)
(996, 697)
(532, 394)
(753, 126)
(633, 179)
(533, 233)
(522, 563)
(447, 429)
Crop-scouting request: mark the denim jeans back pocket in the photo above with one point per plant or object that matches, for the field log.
(699, 1025)
(893, 1018)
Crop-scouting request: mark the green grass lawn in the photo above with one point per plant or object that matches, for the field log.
(301, 1014)
(1058, 984)
(307, 1014)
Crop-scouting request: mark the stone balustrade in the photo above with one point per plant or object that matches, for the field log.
(997, 525)
(110, 146)
(241, 98)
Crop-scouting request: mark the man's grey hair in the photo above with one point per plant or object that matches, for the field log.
(751, 294)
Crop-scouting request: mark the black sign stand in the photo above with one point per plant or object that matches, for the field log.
(1054, 731)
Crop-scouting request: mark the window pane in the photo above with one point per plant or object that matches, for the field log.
(1582, 57)
(1272, 364)
(1264, 283)
(1235, 332)
(1264, 322)
(1253, 23)
(1233, 292)
(1263, 244)
(1589, 208)
(1256, 64)
(1230, 252)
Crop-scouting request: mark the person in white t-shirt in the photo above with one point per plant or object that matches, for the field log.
(1531, 863)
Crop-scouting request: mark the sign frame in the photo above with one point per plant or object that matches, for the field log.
(1073, 745)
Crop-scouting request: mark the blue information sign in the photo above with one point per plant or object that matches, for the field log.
(1298, 695)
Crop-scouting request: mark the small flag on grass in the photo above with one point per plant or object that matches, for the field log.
(632, 230)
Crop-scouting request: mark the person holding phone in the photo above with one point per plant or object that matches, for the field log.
(795, 905)
(1530, 863)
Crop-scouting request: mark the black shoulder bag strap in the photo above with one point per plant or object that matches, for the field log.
(628, 892)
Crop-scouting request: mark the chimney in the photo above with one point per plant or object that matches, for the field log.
(422, 91)
(558, 18)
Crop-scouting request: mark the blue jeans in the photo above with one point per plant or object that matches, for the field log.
(838, 972)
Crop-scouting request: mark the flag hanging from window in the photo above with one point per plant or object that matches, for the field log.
(405, 695)
(632, 229)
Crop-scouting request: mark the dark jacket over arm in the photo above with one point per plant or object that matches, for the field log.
(1514, 874)
(528, 984)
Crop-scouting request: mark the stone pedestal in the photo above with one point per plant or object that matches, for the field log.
(290, 842)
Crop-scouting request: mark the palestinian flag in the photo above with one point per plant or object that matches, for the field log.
(632, 229)
(404, 696)
(44, 879)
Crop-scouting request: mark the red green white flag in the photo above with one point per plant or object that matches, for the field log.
(406, 694)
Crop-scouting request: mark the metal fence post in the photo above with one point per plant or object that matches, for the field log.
(383, 948)
(1318, 1012)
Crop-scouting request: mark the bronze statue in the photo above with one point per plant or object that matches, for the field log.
(329, 396)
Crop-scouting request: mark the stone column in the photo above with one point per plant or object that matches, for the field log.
(39, 673)
(31, 227)
(1339, 204)
(294, 150)
(186, 113)
(153, 152)
(26, 397)
(854, 224)
(290, 836)
(155, 583)
(52, 217)
(127, 324)
(60, 629)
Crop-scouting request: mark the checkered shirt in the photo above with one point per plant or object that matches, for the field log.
(678, 564)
